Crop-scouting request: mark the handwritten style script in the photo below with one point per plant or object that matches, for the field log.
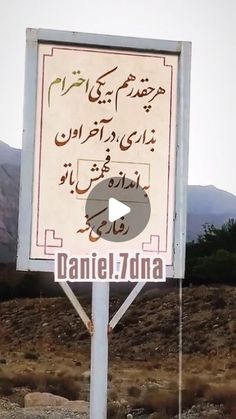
(108, 127)
(132, 87)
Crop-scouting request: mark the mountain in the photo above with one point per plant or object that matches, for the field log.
(9, 155)
(210, 200)
(9, 192)
(206, 204)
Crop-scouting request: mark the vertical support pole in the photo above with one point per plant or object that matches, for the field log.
(99, 351)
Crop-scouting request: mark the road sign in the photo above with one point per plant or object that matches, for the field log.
(95, 107)
(103, 109)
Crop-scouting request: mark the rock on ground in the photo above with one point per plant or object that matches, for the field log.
(44, 399)
(43, 406)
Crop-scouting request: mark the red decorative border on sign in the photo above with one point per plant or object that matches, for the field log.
(51, 242)
(152, 245)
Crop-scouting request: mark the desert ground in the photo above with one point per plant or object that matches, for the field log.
(45, 347)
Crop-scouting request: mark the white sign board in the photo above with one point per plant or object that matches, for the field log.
(102, 107)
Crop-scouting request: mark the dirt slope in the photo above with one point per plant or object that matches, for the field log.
(45, 346)
(151, 326)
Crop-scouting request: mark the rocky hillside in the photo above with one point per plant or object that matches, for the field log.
(208, 324)
(45, 347)
(9, 192)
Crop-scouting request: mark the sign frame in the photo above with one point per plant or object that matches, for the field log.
(183, 49)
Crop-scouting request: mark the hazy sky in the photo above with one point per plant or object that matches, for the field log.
(209, 24)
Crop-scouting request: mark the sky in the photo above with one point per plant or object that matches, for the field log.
(209, 24)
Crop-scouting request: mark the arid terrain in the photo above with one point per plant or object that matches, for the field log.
(45, 347)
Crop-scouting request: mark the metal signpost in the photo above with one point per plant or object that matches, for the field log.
(103, 109)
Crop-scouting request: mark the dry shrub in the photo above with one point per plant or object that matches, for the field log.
(188, 398)
(196, 385)
(219, 303)
(157, 365)
(115, 410)
(6, 387)
(166, 402)
(32, 356)
(233, 413)
(63, 385)
(208, 365)
(112, 395)
(230, 374)
(29, 380)
(134, 391)
(231, 364)
(159, 400)
(222, 395)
